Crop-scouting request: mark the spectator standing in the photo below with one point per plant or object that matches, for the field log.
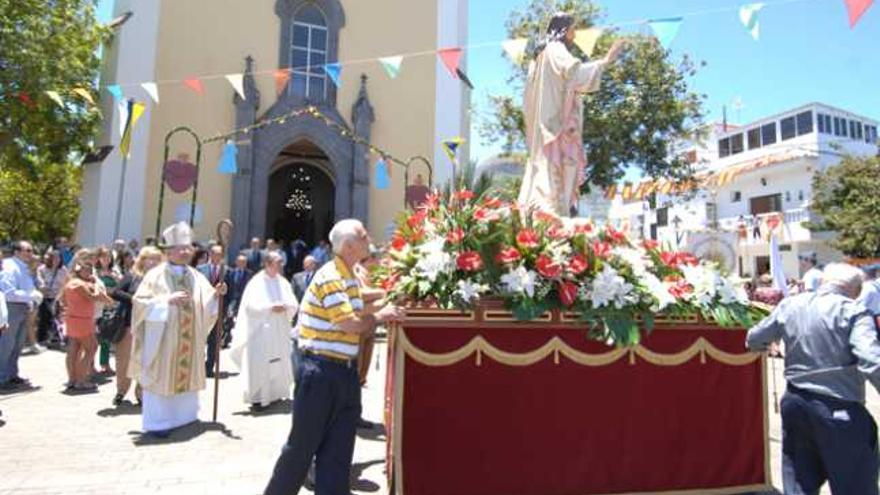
(17, 284)
(215, 271)
(53, 274)
(812, 277)
(110, 277)
(254, 255)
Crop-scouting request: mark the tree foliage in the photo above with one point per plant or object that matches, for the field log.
(41, 205)
(47, 45)
(846, 200)
(643, 108)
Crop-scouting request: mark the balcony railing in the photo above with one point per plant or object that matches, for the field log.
(791, 228)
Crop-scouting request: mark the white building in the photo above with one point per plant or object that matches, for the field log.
(752, 178)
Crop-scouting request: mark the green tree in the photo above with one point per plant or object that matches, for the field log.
(39, 205)
(47, 45)
(846, 201)
(643, 108)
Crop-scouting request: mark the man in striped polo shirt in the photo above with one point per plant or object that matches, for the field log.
(327, 399)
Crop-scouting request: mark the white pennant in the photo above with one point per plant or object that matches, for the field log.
(748, 14)
(515, 49)
(237, 82)
(152, 90)
(122, 105)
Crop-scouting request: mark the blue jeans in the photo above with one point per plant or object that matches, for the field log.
(12, 341)
(827, 439)
(326, 406)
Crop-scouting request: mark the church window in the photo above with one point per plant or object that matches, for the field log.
(308, 53)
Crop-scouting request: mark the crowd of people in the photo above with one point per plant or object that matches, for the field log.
(297, 317)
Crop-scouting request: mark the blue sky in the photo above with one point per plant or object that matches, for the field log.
(806, 52)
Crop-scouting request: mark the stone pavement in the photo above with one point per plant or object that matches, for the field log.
(52, 443)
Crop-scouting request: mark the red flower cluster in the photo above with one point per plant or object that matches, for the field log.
(650, 244)
(492, 202)
(527, 238)
(417, 219)
(567, 292)
(486, 215)
(615, 237)
(558, 232)
(455, 236)
(398, 242)
(463, 195)
(680, 288)
(469, 261)
(547, 268)
(601, 249)
(389, 283)
(507, 255)
(675, 260)
(578, 264)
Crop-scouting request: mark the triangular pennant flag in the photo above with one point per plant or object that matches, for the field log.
(748, 14)
(391, 65)
(227, 159)
(153, 90)
(665, 29)
(237, 82)
(856, 8)
(54, 96)
(515, 49)
(382, 180)
(122, 105)
(135, 110)
(464, 78)
(451, 57)
(450, 146)
(586, 39)
(115, 90)
(85, 94)
(334, 70)
(195, 84)
(282, 76)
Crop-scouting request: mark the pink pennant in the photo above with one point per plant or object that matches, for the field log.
(856, 8)
(195, 84)
(451, 57)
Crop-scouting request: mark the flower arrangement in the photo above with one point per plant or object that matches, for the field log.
(459, 248)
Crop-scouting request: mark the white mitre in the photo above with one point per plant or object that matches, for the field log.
(179, 234)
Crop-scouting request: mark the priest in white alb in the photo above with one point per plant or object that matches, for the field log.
(553, 114)
(174, 309)
(262, 335)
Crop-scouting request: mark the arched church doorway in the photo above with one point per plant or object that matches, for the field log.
(301, 196)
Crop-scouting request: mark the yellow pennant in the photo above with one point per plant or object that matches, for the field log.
(586, 39)
(85, 94)
(137, 110)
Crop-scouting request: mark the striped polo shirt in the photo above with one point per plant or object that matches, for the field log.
(333, 296)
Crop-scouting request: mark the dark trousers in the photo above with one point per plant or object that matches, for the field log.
(326, 406)
(826, 439)
(46, 329)
(209, 354)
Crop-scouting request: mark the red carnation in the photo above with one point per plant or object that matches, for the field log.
(547, 268)
(615, 236)
(578, 264)
(492, 202)
(651, 245)
(602, 249)
(463, 195)
(567, 292)
(558, 232)
(583, 228)
(469, 261)
(486, 215)
(686, 258)
(417, 219)
(455, 235)
(507, 255)
(680, 289)
(398, 242)
(527, 238)
(389, 283)
(669, 259)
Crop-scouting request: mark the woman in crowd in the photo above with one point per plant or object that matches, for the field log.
(53, 274)
(110, 278)
(148, 258)
(80, 295)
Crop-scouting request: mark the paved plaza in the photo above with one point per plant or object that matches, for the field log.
(54, 443)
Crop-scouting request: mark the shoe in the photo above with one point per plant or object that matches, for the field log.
(19, 380)
(209, 374)
(8, 385)
(117, 401)
(85, 387)
(106, 370)
(159, 433)
(363, 424)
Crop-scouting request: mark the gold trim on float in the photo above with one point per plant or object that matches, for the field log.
(555, 346)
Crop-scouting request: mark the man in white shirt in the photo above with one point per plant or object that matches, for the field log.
(812, 277)
(22, 296)
(870, 296)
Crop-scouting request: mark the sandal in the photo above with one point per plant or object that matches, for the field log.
(117, 401)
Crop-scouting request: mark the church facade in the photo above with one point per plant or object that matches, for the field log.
(297, 175)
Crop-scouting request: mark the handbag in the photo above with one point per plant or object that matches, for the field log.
(112, 324)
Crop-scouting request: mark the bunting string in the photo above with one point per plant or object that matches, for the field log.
(514, 47)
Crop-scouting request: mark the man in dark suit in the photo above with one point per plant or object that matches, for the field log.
(215, 271)
(302, 279)
(236, 279)
(254, 256)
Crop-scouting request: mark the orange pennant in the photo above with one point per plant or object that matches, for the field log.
(195, 84)
(282, 76)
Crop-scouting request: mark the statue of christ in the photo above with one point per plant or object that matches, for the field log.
(553, 114)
